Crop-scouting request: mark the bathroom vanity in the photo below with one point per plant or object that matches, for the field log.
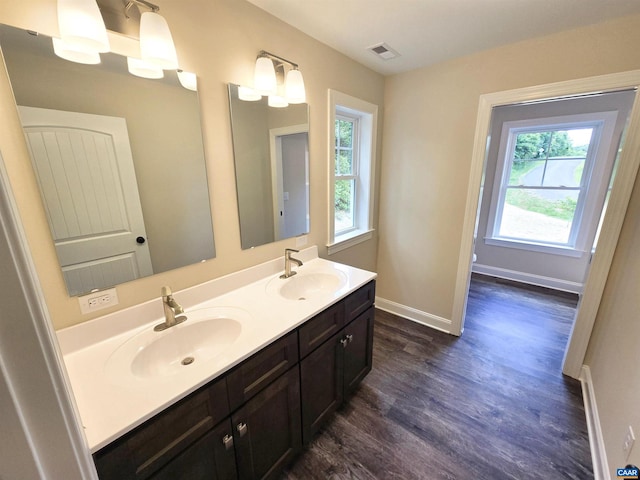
(245, 412)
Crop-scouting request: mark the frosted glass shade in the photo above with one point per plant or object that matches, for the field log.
(277, 101)
(188, 80)
(264, 79)
(294, 87)
(156, 43)
(144, 69)
(81, 25)
(68, 52)
(248, 94)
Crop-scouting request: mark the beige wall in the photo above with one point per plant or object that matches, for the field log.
(614, 350)
(429, 125)
(218, 40)
(430, 117)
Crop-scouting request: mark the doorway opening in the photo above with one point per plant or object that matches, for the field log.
(620, 193)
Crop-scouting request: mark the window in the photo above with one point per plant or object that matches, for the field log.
(353, 125)
(548, 188)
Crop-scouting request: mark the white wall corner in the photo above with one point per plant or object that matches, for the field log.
(418, 316)
(596, 440)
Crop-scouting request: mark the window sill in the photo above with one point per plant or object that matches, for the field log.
(349, 239)
(535, 247)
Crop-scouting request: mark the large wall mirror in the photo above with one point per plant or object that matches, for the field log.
(119, 160)
(271, 152)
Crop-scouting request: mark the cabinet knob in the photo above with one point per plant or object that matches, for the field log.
(349, 338)
(344, 342)
(227, 441)
(242, 429)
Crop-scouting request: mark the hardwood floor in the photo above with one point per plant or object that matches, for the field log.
(492, 404)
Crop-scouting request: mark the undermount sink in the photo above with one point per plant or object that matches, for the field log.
(207, 333)
(308, 285)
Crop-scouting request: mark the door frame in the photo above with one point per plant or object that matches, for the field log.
(277, 182)
(627, 169)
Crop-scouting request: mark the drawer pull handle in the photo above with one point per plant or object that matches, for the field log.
(227, 441)
(242, 429)
(344, 342)
(350, 338)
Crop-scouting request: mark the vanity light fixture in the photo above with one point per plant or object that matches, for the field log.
(269, 68)
(264, 78)
(156, 42)
(248, 94)
(64, 50)
(144, 69)
(188, 80)
(81, 26)
(277, 101)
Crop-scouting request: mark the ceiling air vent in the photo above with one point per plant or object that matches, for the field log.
(384, 51)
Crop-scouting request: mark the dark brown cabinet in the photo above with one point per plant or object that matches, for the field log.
(267, 429)
(251, 422)
(331, 372)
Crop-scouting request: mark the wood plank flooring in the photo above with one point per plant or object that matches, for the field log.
(492, 404)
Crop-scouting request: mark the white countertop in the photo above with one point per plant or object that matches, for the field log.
(111, 404)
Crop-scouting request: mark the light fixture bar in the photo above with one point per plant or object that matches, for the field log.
(154, 8)
(264, 53)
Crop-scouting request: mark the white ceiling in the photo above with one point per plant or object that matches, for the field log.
(425, 32)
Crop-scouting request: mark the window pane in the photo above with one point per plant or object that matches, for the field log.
(553, 158)
(344, 133)
(538, 215)
(344, 198)
(344, 162)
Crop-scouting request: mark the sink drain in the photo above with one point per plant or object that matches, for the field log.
(187, 360)
(301, 298)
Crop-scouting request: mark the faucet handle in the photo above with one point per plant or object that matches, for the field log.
(165, 291)
(289, 251)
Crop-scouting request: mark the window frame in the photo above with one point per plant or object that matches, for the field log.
(354, 177)
(592, 188)
(343, 105)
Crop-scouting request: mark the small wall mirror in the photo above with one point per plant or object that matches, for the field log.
(119, 160)
(271, 150)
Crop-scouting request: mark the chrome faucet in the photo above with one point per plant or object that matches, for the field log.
(171, 308)
(287, 262)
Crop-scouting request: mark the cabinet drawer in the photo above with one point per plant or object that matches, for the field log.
(321, 328)
(261, 369)
(145, 450)
(359, 301)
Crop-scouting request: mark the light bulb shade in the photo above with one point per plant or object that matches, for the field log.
(188, 80)
(144, 69)
(68, 52)
(264, 79)
(277, 101)
(248, 94)
(156, 43)
(294, 87)
(81, 25)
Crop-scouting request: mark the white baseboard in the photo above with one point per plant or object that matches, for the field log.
(531, 279)
(418, 316)
(596, 441)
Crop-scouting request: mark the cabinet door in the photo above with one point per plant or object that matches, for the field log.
(320, 328)
(210, 458)
(358, 350)
(267, 429)
(359, 301)
(321, 385)
(252, 375)
(149, 448)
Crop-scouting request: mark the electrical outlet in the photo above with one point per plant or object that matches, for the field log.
(629, 439)
(98, 300)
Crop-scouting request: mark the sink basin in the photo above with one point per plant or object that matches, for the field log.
(207, 334)
(308, 285)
